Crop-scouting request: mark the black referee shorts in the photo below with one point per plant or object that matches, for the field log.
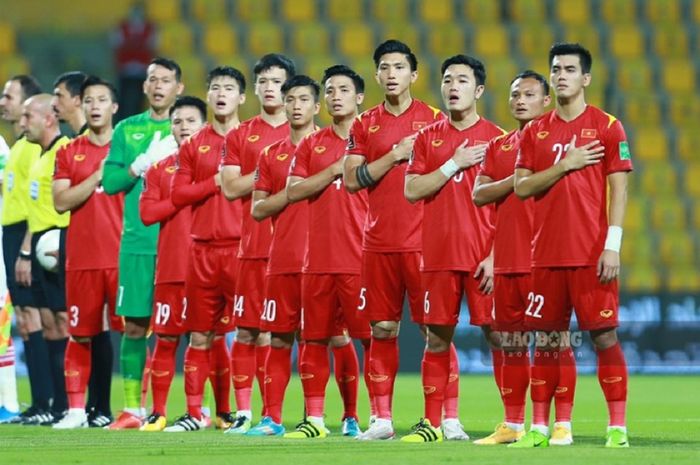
(12, 237)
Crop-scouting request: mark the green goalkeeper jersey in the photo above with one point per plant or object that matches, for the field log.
(130, 139)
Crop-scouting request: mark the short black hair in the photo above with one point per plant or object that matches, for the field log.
(190, 101)
(230, 72)
(91, 81)
(342, 70)
(72, 80)
(29, 84)
(301, 80)
(528, 73)
(566, 48)
(275, 59)
(167, 63)
(395, 46)
(476, 65)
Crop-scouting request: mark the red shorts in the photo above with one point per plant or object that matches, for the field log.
(169, 307)
(330, 307)
(87, 293)
(282, 308)
(556, 291)
(248, 302)
(443, 295)
(210, 286)
(386, 277)
(510, 299)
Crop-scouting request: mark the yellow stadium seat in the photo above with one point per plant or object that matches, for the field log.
(634, 75)
(311, 38)
(678, 76)
(619, 11)
(626, 41)
(687, 141)
(684, 108)
(587, 35)
(364, 66)
(539, 63)
(386, 11)
(683, 279)
(298, 10)
(315, 65)
(534, 39)
(11, 65)
(355, 39)
(573, 11)
(489, 40)
(657, 177)
(342, 10)
(163, 10)
(8, 42)
(670, 40)
(219, 39)
(446, 40)
(636, 214)
(175, 38)
(662, 11)
(487, 11)
(405, 31)
(641, 108)
(209, 10)
(651, 144)
(691, 175)
(265, 37)
(436, 11)
(194, 73)
(668, 214)
(238, 61)
(696, 214)
(253, 10)
(527, 11)
(638, 249)
(676, 248)
(640, 278)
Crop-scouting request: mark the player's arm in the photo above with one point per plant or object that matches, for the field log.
(23, 265)
(485, 270)
(266, 205)
(67, 197)
(301, 188)
(153, 206)
(117, 176)
(609, 262)
(487, 191)
(233, 184)
(185, 190)
(358, 174)
(529, 183)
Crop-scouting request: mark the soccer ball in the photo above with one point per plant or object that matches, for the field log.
(48, 242)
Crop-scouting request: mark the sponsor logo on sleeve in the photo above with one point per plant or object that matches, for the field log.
(625, 150)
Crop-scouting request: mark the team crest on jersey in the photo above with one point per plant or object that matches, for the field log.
(319, 149)
(588, 133)
(79, 157)
(418, 125)
(507, 147)
(374, 129)
(253, 138)
(170, 169)
(542, 134)
(282, 156)
(437, 142)
(138, 135)
(204, 148)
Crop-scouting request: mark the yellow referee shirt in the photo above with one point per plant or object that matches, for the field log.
(15, 181)
(42, 214)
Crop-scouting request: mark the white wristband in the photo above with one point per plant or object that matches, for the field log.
(449, 168)
(614, 239)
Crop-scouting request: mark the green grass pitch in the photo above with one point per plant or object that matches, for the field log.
(664, 425)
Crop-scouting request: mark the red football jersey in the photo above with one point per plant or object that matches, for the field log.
(336, 217)
(571, 222)
(243, 147)
(512, 242)
(174, 238)
(457, 234)
(393, 224)
(289, 227)
(213, 217)
(94, 232)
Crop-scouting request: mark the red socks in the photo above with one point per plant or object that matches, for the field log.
(196, 373)
(77, 370)
(543, 383)
(347, 372)
(278, 370)
(383, 364)
(244, 371)
(451, 402)
(315, 371)
(497, 362)
(261, 354)
(162, 372)
(515, 378)
(366, 343)
(612, 375)
(435, 373)
(220, 374)
(566, 388)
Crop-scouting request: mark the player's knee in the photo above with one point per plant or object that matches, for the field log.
(385, 329)
(282, 340)
(135, 328)
(262, 339)
(81, 339)
(436, 344)
(246, 335)
(339, 341)
(200, 340)
(604, 338)
(492, 337)
(166, 338)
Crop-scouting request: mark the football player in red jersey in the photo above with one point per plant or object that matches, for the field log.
(379, 146)
(187, 116)
(282, 310)
(243, 147)
(330, 281)
(211, 272)
(457, 236)
(92, 243)
(529, 95)
(570, 160)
